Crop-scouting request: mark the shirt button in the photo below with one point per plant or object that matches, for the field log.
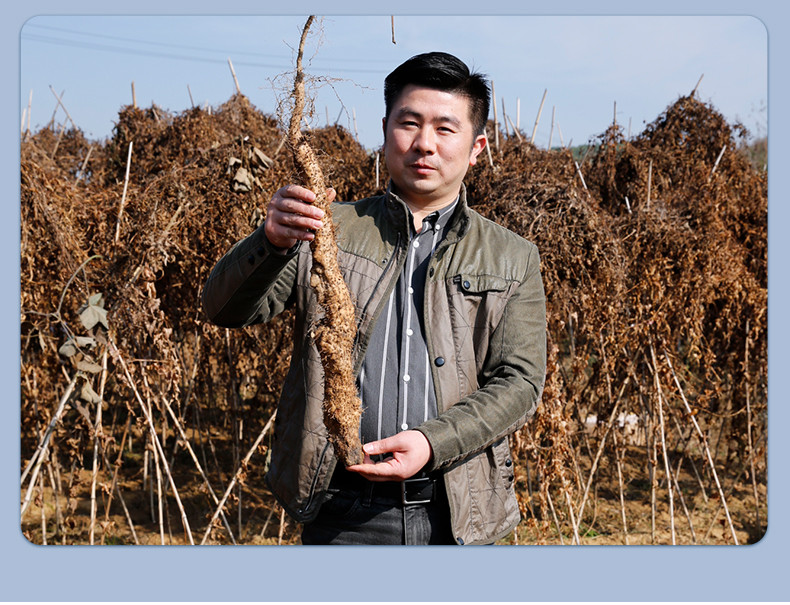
(409, 332)
(406, 378)
(439, 361)
(411, 290)
(467, 285)
(404, 426)
(416, 244)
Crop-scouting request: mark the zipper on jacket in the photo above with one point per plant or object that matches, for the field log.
(311, 493)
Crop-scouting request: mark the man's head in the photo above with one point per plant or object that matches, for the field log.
(434, 128)
(441, 71)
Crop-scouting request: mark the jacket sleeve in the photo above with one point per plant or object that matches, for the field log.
(251, 283)
(511, 381)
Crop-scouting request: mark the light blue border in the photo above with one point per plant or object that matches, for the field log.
(750, 573)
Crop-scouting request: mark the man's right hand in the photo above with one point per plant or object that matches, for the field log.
(291, 217)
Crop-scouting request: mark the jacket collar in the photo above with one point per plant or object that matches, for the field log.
(399, 215)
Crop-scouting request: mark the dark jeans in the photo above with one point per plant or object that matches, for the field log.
(361, 512)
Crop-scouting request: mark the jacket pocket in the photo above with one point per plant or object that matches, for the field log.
(477, 303)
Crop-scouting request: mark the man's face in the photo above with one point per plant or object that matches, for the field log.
(429, 143)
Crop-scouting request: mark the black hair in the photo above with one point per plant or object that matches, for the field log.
(441, 71)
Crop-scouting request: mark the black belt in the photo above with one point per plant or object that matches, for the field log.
(420, 489)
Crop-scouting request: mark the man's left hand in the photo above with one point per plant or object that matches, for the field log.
(408, 451)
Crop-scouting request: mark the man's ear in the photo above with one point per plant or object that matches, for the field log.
(478, 145)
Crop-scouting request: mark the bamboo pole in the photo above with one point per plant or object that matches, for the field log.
(617, 457)
(392, 25)
(496, 119)
(716, 164)
(599, 453)
(683, 504)
(551, 132)
(505, 119)
(515, 130)
(488, 151)
(123, 197)
(753, 472)
(97, 434)
(158, 447)
(537, 118)
(518, 113)
(235, 79)
(693, 92)
(554, 515)
(158, 472)
(704, 442)
(85, 163)
(60, 102)
(662, 430)
(191, 100)
(581, 176)
(237, 475)
(41, 450)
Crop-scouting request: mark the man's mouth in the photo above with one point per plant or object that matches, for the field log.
(422, 168)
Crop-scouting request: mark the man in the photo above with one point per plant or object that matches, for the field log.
(450, 353)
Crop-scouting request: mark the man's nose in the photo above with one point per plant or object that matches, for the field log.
(425, 140)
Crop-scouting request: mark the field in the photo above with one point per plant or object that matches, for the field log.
(143, 423)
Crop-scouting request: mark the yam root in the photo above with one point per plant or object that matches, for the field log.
(335, 333)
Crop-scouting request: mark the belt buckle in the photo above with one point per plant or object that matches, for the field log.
(421, 483)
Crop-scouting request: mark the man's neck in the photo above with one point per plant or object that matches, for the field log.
(420, 210)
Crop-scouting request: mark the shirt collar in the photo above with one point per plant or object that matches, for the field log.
(438, 219)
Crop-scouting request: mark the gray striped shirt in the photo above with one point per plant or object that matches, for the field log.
(395, 382)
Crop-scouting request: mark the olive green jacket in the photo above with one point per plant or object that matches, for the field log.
(485, 327)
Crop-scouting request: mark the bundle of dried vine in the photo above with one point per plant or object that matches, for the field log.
(334, 335)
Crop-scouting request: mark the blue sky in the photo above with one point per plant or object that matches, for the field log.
(641, 63)
(589, 66)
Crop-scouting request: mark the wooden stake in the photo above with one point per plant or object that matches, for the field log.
(649, 182)
(693, 92)
(537, 118)
(134, 96)
(237, 475)
(617, 455)
(60, 102)
(392, 24)
(551, 132)
(716, 164)
(496, 120)
(518, 113)
(158, 451)
(704, 443)
(235, 79)
(662, 430)
(41, 451)
(505, 120)
(752, 470)
(85, 163)
(488, 150)
(581, 176)
(515, 130)
(97, 434)
(191, 100)
(123, 197)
